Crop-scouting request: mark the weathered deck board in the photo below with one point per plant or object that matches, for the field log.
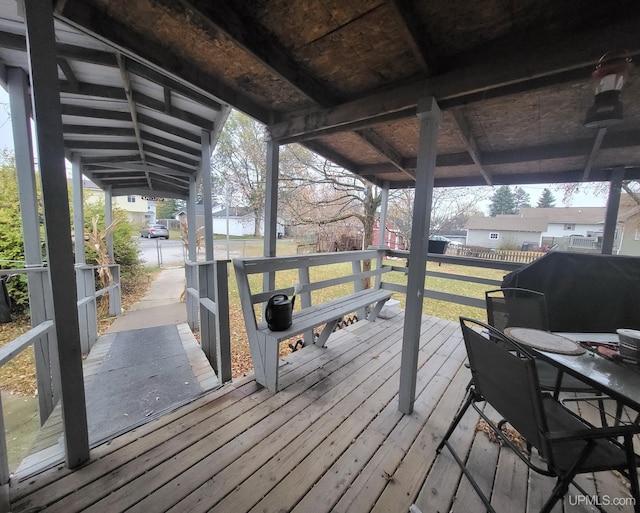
(331, 440)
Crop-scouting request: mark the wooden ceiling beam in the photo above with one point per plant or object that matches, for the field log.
(70, 129)
(472, 79)
(470, 142)
(91, 19)
(88, 161)
(128, 91)
(569, 176)
(123, 168)
(115, 131)
(329, 154)
(374, 140)
(66, 68)
(192, 163)
(74, 144)
(595, 149)
(226, 17)
(72, 53)
(163, 162)
(116, 93)
(416, 36)
(88, 112)
(159, 192)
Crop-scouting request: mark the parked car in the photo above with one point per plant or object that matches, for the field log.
(154, 230)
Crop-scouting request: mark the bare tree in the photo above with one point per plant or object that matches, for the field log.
(327, 194)
(239, 162)
(450, 208)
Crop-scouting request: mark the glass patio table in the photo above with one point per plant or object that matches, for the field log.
(620, 381)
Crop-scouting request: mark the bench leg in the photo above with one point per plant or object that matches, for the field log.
(376, 310)
(266, 364)
(272, 347)
(326, 331)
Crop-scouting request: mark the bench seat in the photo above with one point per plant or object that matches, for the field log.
(266, 343)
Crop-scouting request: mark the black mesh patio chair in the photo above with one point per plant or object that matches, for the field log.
(504, 376)
(524, 308)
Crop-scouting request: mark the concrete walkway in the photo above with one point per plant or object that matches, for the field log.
(160, 306)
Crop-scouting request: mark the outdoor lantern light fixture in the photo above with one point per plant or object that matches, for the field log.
(609, 76)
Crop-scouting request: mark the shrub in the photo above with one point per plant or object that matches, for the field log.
(125, 250)
(11, 241)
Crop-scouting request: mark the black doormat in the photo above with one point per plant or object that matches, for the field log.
(145, 371)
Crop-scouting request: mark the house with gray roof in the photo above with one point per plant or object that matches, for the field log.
(533, 228)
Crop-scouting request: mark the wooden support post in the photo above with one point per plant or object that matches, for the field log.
(87, 312)
(304, 278)
(115, 296)
(613, 205)
(223, 326)
(108, 219)
(429, 115)
(205, 170)
(191, 269)
(271, 207)
(78, 209)
(215, 332)
(206, 278)
(384, 207)
(358, 286)
(40, 300)
(41, 46)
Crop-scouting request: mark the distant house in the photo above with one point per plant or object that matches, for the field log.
(139, 210)
(241, 220)
(392, 238)
(502, 230)
(568, 228)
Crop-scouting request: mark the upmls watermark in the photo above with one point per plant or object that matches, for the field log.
(600, 500)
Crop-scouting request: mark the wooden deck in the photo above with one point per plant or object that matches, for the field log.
(331, 440)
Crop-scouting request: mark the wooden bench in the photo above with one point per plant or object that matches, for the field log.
(263, 342)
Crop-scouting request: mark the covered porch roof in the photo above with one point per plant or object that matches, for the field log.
(134, 128)
(344, 78)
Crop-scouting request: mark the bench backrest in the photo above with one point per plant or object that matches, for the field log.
(245, 268)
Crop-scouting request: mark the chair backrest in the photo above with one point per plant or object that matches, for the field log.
(513, 307)
(505, 376)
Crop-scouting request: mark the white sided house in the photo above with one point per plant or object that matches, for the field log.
(534, 228)
(240, 220)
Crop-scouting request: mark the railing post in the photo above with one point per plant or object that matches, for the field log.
(87, 313)
(215, 333)
(206, 279)
(191, 279)
(4, 455)
(305, 300)
(358, 286)
(223, 349)
(115, 302)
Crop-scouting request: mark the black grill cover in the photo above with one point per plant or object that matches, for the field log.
(584, 293)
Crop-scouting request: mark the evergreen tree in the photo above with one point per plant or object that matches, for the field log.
(502, 201)
(546, 199)
(166, 209)
(521, 198)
